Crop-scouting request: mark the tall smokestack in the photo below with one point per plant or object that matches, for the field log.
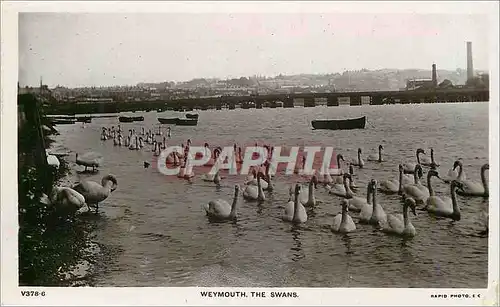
(434, 76)
(470, 68)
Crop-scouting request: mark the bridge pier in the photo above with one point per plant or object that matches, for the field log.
(288, 102)
(376, 100)
(259, 103)
(355, 100)
(309, 102)
(332, 101)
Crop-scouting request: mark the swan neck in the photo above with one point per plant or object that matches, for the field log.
(460, 170)
(259, 187)
(429, 186)
(379, 154)
(400, 181)
(344, 216)
(456, 209)
(359, 158)
(374, 199)
(368, 194)
(418, 157)
(233, 206)
(432, 157)
(311, 190)
(415, 177)
(296, 207)
(405, 215)
(484, 181)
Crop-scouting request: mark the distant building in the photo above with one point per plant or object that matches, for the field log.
(419, 84)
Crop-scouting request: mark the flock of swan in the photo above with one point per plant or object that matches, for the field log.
(413, 193)
(338, 183)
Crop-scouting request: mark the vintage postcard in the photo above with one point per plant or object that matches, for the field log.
(249, 153)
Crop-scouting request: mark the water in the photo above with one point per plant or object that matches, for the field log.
(153, 231)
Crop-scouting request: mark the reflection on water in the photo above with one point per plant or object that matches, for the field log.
(153, 230)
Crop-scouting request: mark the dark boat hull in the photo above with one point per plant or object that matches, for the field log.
(63, 121)
(168, 121)
(138, 118)
(186, 122)
(84, 119)
(340, 124)
(192, 116)
(124, 119)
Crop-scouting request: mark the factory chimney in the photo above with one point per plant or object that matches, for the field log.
(434, 76)
(470, 68)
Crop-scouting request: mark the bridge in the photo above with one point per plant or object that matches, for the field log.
(271, 100)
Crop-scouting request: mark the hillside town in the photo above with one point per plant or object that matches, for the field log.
(348, 81)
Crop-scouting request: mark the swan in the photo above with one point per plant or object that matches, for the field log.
(359, 162)
(94, 192)
(120, 140)
(182, 172)
(340, 189)
(220, 209)
(358, 204)
(343, 222)
(400, 224)
(215, 178)
(169, 132)
(64, 198)
(409, 167)
(143, 131)
(127, 141)
(338, 172)
(156, 150)
(453, 174)
(270, 186)
(53, 161)
(374, 214)
(294, 210)
(376, 158)
(255, 192)
(89, 160)
(159, 132)
(418, 192)
(141, 143)
(471, 188)
(446, 206)
(253, 181)
(134, 145)
(115, 141)
(429, 162)
(393, 186)
(310, 199)
(298, 168)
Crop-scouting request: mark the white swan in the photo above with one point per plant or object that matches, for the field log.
(376, 158)
(253, 181)
(433, 199)
(338, 172)
(215, 178)
(400, 224)
(343, 222)
(53, 161)
(134, 145)
(374, 214)
(89, 159)
(115, 141)
(416, 190)
(453, 174)
(294, 210)
(220, 209)
(169, 132)
(446, 206)
(471, 188)
(94, 192)
(393, 186)
(255, 192)
(409, 167)
(309, 200)
(64, 198)
(339, 189)
(359, 161)
(355, 202)
(429, 161)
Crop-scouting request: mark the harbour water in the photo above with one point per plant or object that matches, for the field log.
(154, 232)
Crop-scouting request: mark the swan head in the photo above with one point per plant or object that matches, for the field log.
(347, 176)
(373, 183)
(400, 168)
(433, 172)
(420, 151)
(485, 167)
(351, 169)
(206, 145)
(359, 150)
(340, 157)
(457, 164)
(418, 170)
(410, 202)
(109, 178)
(380, 147)
(236, 189)
(345, 205)
(314, 180)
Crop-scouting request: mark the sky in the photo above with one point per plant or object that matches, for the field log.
(103, 49)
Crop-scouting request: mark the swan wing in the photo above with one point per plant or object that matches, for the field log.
(436, 204)
(92, 191)
(389, 186)
(409, 167)
(338, 189)
(337, 220)
(251, 192)
(219, 207)
(407, 179)
(357, 203)
(288, 214)
(395, 223)
(472, 187)
(365, 214)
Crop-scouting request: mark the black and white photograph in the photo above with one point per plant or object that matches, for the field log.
(249, 156)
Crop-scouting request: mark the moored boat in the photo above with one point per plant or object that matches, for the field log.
(125, 119)
(168, 121)
(138, 118)
(192, 115)
(186, 122)
(340, 124)
(62, 121)
(84, 119)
